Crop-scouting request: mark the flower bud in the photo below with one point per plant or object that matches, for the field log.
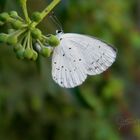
(46, 52)
(20, 53)
(12, 40)
(28, 53)
(13, 14)
(36, 33)
(17, 47)
(3, 38)
(53, 41)
(10, 31)
(36, 16)
(1, 23)
(35, 56)
(4, 17)
(17, 24)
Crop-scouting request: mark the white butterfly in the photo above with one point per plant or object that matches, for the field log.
(78, 56)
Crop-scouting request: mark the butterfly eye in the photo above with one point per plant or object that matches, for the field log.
(58, 31)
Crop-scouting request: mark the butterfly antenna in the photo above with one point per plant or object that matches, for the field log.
(56, 21)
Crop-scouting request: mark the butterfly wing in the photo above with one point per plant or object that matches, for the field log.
(68, 65)
(98, 55)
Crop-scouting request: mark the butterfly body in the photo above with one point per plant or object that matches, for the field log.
(78, 56)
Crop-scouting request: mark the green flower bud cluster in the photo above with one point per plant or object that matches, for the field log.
(46, 51)
(23, 35)
(4, 17)
(36, 33)
(3, 38)
(53, 41)
(27, 53)
(36, 16)
(10, 40)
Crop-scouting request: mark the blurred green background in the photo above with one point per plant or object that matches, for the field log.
(105, 107)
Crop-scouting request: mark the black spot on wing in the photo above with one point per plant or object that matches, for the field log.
(96, 67)
(97, 60)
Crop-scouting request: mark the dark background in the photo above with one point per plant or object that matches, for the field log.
(105, 107)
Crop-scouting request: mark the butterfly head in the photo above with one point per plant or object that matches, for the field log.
(59, 34)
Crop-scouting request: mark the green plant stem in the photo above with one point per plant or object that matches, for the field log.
(31, 44)
(25, 42)
(22, 37)
(25, 11)
(18, 32)
(29, 39)
(46, 11)
(41, 45)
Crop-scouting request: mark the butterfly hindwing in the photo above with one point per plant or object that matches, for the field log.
(67, 65)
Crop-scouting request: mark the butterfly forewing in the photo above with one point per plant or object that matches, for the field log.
(97, 54)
